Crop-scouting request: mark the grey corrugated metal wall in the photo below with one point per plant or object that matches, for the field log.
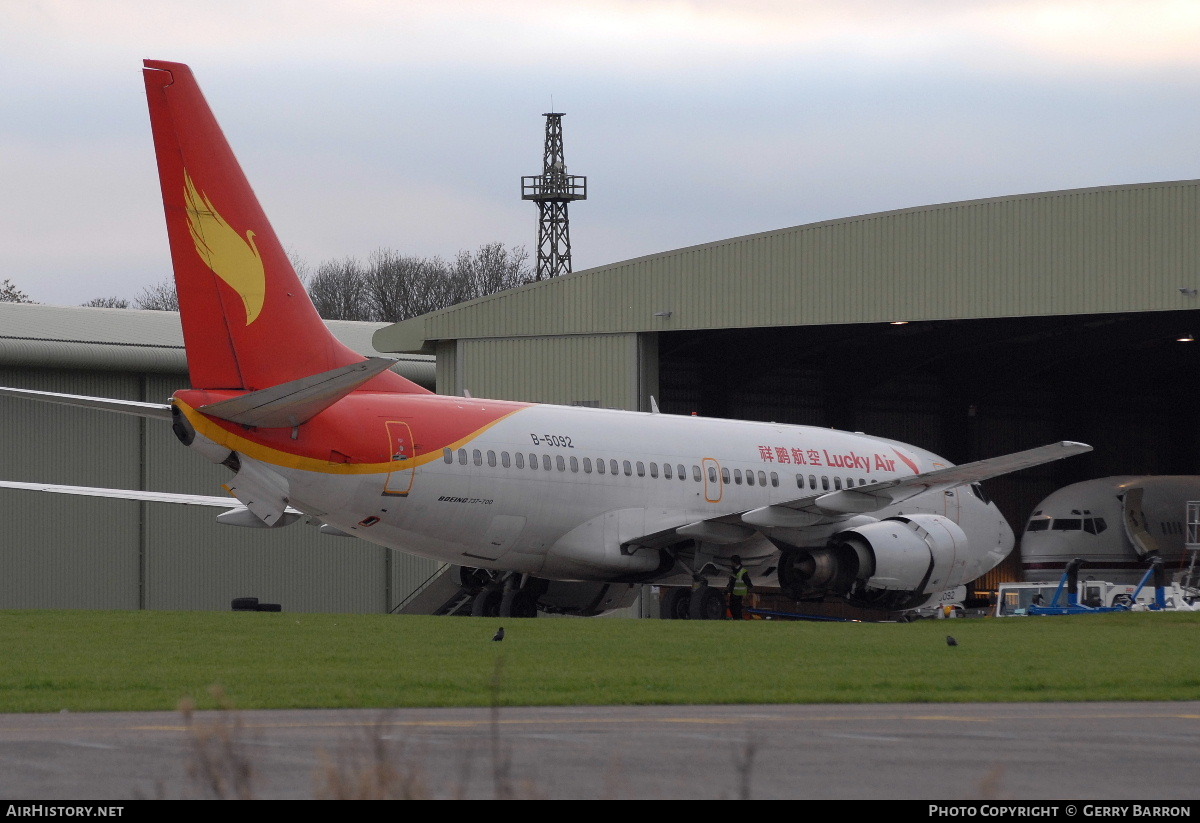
(65, 552)
(585, 369)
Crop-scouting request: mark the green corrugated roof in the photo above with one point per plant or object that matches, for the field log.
(1095, 250)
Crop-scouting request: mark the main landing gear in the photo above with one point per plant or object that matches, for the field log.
(701, 602)
(508, 595)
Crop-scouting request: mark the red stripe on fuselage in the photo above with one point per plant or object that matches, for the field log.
(355, 427)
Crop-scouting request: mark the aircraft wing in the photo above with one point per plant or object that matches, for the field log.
(162, 410)
(875, 496)
(831, 506)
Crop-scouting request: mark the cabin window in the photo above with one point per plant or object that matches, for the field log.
(504, 460)
(725, 476)
(774, 479)
(825, 482)
(799, 481)
(600, 466)
(520, 460)
(628, 468)
(612, 465)
(837, 483)
(562, 464)
(587, 465)
(666, 470)
(462, 457)
(641, 469)
(696, 474)
(812, 482)
(654, 470)
(448, 455)
(546, 462)
(492, 459)
(477, 456)
(712, 474)
(682, 472)
(533, 462)
(575, 465)
(749, 476)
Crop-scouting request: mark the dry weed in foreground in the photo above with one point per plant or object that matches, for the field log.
(991, 787)
(220, 767)
(744, 765)
(376, 770)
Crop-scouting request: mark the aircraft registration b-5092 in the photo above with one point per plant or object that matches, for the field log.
(557, 508)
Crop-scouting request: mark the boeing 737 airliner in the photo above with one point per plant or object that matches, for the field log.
(562, 508)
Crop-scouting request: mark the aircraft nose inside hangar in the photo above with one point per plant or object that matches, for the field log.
(972, 329)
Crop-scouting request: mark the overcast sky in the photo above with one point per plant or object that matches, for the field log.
(407, 125)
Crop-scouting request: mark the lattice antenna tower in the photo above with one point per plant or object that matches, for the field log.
(552, 190)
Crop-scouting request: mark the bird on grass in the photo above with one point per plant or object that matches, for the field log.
(499, 635)
(950, 641)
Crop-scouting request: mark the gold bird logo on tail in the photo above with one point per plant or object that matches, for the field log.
(233, 258)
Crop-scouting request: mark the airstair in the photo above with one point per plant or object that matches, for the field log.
(1191, 577)
(441, 593)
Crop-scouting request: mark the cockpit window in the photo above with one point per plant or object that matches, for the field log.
(1038, 526)
(1094, 525)
(1067, 524)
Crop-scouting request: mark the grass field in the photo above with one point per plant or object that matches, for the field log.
(102, 661)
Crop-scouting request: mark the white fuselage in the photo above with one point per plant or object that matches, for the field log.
(1112, 524)
(556, 491)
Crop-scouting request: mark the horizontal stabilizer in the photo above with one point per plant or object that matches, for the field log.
(261, 489)
(127, 494)
(290, 404)
(162, 410)
(247, 519)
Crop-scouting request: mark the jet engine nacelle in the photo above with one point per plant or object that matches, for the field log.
(895, 563)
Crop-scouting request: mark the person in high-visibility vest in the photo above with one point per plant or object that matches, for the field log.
(738, 588)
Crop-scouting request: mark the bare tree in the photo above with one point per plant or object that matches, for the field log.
(9, 293)
(390, 287)
(394, 287)
(339, 290)
(159, 297)
(401, 286)
(489, 269)
(107, 303)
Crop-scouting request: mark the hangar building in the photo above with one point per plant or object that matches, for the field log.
(973, 329)
(68, 552)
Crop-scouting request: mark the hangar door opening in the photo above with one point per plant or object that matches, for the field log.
(965, 389)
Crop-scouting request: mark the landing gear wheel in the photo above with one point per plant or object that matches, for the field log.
(487, 603)
(674, 604)
(707, 603)
(473, 579)
(517, 603)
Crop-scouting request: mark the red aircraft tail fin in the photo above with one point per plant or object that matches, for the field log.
(247, 321)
